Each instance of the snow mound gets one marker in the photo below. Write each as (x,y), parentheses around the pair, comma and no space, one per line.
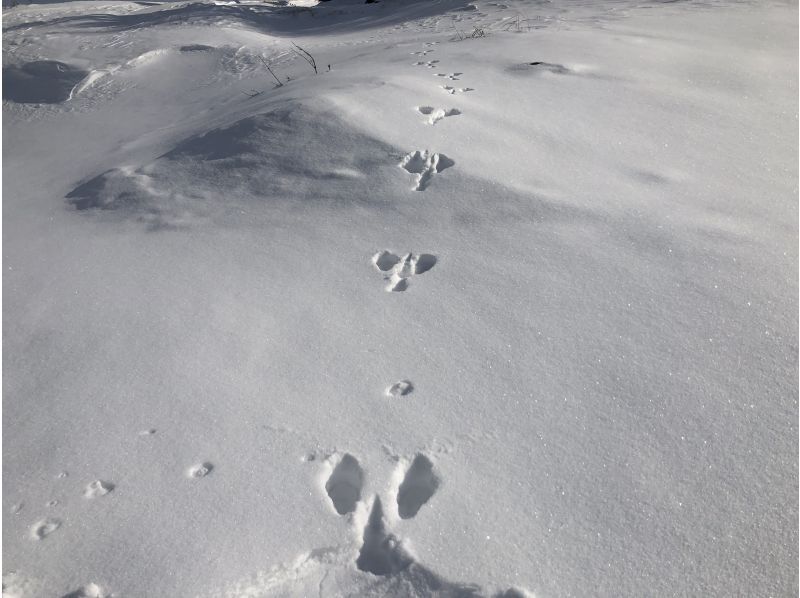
(294,153)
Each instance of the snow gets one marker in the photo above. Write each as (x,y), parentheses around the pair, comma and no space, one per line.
(510,315)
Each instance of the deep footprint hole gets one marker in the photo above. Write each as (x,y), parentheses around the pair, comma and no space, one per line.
(418,486)
(385,260)
(400,389)
(398,286)
(425,262)
(344,485)
(200,470)
(381,552)
(443,163)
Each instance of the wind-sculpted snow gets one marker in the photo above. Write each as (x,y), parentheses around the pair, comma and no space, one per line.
(540,67)
(291,154)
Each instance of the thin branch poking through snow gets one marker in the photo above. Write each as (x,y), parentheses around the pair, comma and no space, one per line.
(270,71)
(305,55)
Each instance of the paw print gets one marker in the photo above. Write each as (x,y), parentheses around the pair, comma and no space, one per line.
(381,553)
(436,114)
(424,165)
(373,560)
(451,76)
(344,485)
(397,271)
(454,90)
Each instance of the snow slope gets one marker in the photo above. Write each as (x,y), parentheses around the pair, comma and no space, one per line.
(505,315)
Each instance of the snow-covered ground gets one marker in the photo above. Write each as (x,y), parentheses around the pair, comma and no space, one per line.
(458,315)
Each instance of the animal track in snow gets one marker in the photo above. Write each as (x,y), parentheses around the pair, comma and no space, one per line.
(385,260)
(400,389)
(97,488)
(381,553)
(454,90)
(430,63)
(425,164)
(419,485)
(436,114)
(41,529)
(397,270)
(200,470)
(451,76)
(389,564)
(344,485)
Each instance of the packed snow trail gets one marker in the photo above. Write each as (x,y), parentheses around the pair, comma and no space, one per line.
(501,301)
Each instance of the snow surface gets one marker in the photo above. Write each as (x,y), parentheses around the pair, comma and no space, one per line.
(458,316)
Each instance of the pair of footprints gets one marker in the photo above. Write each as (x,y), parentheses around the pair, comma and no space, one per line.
(397,270)
(453,77)
(429,46)
(381,552)
(430,63)
(454,90)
